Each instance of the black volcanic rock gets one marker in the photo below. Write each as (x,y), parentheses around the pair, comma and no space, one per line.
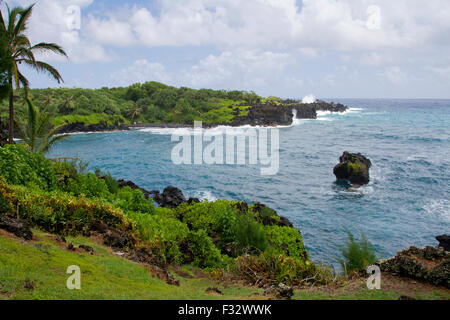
(444,241)
(18,227)
(171,197)
(353,167)
(266,115)
(429,264)
(305,111)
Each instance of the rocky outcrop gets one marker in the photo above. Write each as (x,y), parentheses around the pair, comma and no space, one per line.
(430,264)
(305,111)
(171,197)
(18,227)
(444,241)
(266,115)
(269,217)
(328,106)
(353,167)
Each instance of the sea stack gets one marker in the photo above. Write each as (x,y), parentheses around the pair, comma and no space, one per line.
(353,167)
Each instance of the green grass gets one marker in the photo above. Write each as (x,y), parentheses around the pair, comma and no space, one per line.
(44,262)
(104,276)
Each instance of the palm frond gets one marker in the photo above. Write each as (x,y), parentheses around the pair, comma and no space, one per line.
(52,47)
(46,147)
(21,25)
(46,68)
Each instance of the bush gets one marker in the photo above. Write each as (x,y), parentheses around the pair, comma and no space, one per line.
(88,185)
(269,269)
(134,200)
(21,167)
(204,253)
(357,255)
(162,234)
(218,216)
(249,235)
(57,212)
(287,241)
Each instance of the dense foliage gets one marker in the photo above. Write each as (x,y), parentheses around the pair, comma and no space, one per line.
(61,197)
(5,65)
(151,102)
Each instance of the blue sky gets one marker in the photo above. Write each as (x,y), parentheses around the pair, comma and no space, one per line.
(287,48)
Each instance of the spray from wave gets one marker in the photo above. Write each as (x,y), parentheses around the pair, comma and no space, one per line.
(309,99)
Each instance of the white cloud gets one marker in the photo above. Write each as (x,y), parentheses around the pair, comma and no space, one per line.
(140,71)
(239,69)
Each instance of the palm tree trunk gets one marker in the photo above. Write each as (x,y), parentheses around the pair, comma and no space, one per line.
(11,112)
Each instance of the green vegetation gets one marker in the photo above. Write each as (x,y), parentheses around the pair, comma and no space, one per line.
(357,255)
(59,197)
(21,51)
(43,264)
(37,133)
(150,102)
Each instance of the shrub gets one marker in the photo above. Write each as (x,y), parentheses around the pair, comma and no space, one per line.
(21,167)
(134,200)
(269,269)
(57,212)
(162,234)
(357,255)
(287,241)
(212,217)
(88,185)
(204,253)
(249,235)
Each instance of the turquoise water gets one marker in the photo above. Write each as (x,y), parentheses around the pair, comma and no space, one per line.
(406,203)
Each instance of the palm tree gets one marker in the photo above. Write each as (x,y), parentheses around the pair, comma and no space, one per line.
(37,132)
(134,111)
(21,51)
(67,105)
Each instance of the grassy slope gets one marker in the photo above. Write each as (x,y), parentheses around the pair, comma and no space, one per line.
(43,262)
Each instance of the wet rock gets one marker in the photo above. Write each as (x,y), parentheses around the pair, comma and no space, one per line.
(213,290)
(430,264)
(353,167)
(18,227)
(444,241)
(280,291)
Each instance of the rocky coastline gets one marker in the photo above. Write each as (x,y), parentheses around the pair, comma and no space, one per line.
(267,115)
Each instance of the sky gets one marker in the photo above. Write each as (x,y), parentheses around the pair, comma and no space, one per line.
(285,48)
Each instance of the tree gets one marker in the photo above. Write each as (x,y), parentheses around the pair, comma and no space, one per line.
(134,111)
(5,66)
(21,51)
(37,132)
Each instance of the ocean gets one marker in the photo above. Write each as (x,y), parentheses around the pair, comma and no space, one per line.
(406,203)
